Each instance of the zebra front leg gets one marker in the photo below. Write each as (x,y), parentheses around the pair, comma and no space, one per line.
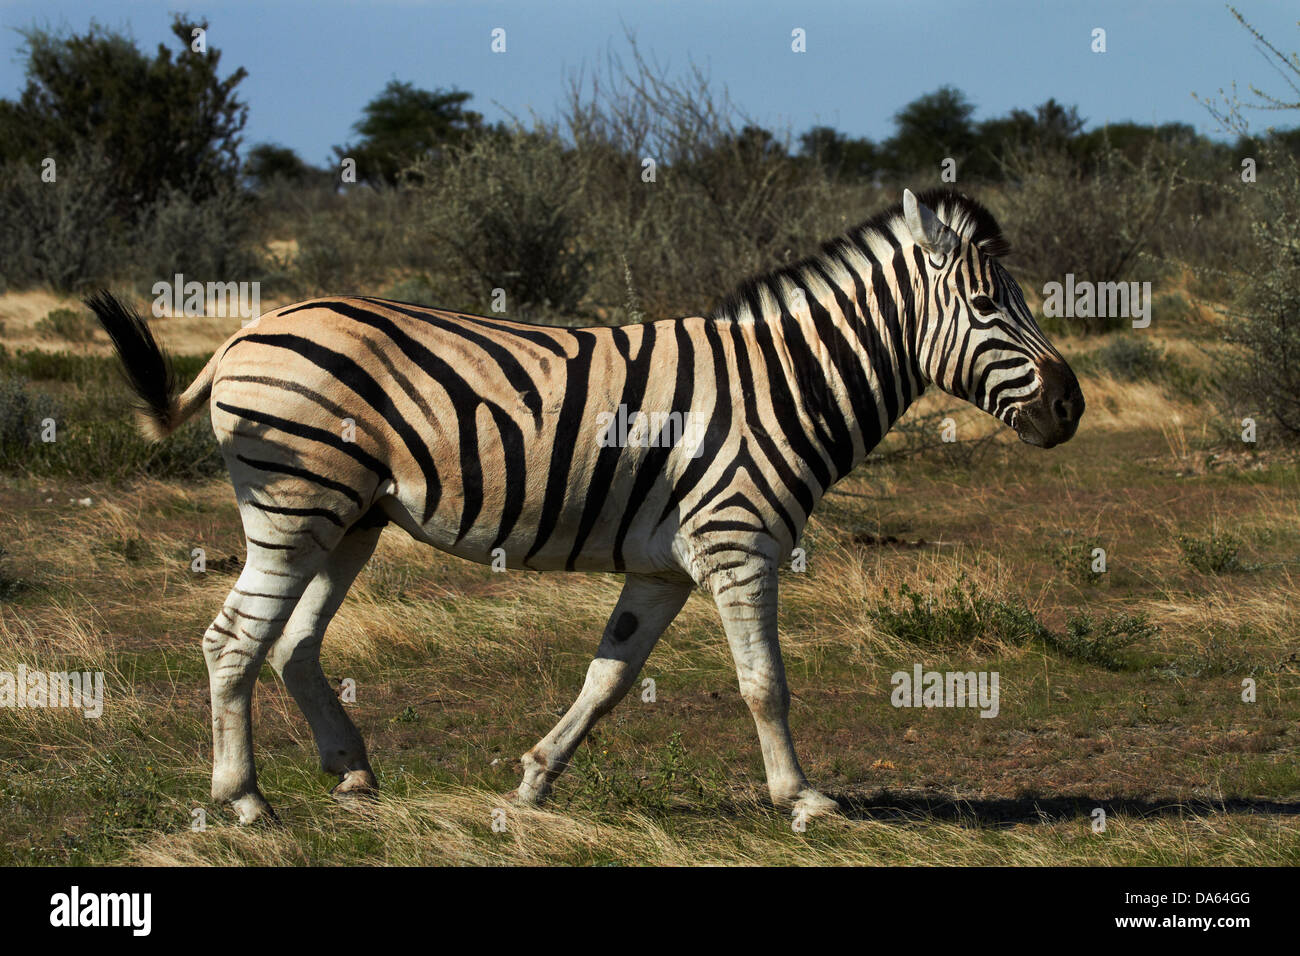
(296,658)
(746,595)
(645,608)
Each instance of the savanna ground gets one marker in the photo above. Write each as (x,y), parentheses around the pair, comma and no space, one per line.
(1121,691)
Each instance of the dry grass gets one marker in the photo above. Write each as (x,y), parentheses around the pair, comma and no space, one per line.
(460,669)
(454,827)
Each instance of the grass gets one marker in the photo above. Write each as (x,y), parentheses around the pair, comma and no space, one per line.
(1124,693)
(1120,689)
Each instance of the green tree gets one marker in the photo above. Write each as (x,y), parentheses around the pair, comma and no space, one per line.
(268,163)
(404,124)
(840,156)
(929,129)
(164,123)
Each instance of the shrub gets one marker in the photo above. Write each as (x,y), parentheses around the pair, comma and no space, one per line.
(208,240)
(1261,378)
(1075,560)
(356,242)
(508,210)
(1213,554)
(1092,217)
(1131,359)
(957,616)
(1262,375)
(59,233)
(21,414)
(68,325)
(1101,641)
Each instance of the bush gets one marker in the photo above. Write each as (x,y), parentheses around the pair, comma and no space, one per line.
(1075,560)
(1213,554)
(208,241)
(68,325)
(957,616)
(1131,359)
(508,210)
(1262,375)
(1101,641)
(59,233)
(1093,217)
(727,198)
(356,242)
(21,414)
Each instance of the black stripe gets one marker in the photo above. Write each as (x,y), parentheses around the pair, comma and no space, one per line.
(303,473)
(349,373)
(715,434)
(637,373)
(514,372)
(312,433)
(516,466)
(325,513)
(497,325)
(567,426)
(652,466)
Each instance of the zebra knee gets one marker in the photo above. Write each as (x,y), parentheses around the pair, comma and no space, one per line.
(295,654)
(765,699)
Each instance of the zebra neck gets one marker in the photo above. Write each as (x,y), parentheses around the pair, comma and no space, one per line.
(846,355)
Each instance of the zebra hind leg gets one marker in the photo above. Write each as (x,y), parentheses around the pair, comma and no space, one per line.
(284,556)
(645,608)
(296,658)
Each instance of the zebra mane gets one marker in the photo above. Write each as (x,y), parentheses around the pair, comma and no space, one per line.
(966,217)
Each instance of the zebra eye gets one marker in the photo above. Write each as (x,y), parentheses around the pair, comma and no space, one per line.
(984,305)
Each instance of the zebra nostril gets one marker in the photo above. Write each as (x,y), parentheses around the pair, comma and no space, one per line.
(1061,409)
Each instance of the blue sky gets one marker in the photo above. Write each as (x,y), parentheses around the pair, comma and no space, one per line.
(313,64)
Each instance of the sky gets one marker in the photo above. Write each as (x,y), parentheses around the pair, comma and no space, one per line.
(313,64)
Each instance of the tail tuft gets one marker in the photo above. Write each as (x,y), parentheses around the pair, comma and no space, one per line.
(148,370)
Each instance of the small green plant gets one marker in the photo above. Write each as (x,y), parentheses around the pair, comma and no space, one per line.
(1212,554)
(957,616)
(1131,359)
(67,325)
(1101,641)
(1217,658)
(407,716)
(610,782)
(1077,562)
(22,410)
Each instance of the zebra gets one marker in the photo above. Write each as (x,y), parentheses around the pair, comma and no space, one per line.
(478,435)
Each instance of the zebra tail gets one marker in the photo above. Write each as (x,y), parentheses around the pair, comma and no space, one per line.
(160,411)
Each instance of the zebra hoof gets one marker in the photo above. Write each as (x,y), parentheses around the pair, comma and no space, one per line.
(253,808)
(811,803)
(526,797)
(356,784)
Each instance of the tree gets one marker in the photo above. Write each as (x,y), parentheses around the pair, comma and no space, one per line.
(268,163)
(403,124)
(163,123)
(840,156)
(929,129)
(1051,127)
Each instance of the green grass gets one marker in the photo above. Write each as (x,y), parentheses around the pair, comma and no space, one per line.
(1126,696)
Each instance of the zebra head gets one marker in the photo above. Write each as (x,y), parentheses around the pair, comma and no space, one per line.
(980,341)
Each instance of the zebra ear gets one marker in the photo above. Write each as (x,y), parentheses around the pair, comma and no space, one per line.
(928,230)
